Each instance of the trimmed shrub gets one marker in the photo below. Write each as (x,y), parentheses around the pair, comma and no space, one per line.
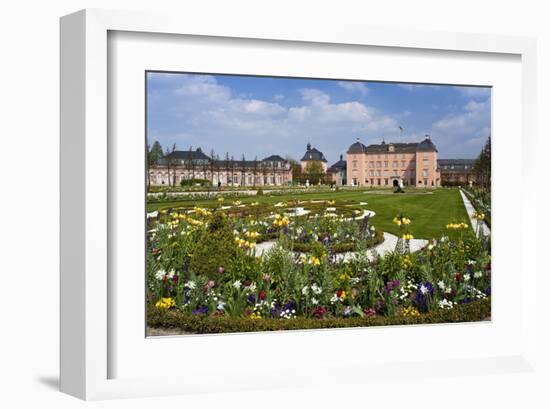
(209,324)
(215,247)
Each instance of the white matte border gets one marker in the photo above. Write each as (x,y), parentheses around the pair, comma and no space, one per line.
(95,359)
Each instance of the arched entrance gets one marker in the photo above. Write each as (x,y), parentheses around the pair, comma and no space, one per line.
(395,183)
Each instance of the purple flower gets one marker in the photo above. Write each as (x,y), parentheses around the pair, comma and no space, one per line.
(391,285)
(199,311)
(424,292)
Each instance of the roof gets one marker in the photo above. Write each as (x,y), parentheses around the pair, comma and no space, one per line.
(274,158)
(426,146)
(398,147)
(457,164)
(340,165)
(313,154)
(357,147)
(189,155)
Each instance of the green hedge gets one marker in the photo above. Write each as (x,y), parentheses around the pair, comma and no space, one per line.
(338,247)
(203,324)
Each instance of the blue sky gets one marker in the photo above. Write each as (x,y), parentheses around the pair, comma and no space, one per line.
(261,116)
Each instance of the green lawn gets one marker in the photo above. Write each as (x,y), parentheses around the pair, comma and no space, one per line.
(429,212)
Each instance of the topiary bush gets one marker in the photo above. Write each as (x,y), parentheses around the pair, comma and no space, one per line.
(215,248)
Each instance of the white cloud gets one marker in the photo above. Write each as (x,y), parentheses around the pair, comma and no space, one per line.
(465,130)
(354,86)
(475,92)
(210,115)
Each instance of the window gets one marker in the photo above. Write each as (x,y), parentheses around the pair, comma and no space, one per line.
(386,173)
(378,173)
(371,164)
(378,164)
(396,173)
(372,172)
(355,164)
(395,164)
(385,163)
(425,173)
(403,163)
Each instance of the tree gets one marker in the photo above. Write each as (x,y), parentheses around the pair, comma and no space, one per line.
(212,166)
(482,166)
(171,164)
(243,170)
(232,164)
(254,170)
(154,153)
(314,172)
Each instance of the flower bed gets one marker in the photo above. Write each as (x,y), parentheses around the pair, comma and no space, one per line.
(202,266)
(203,324)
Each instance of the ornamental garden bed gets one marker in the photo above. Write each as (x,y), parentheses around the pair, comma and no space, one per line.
(215,324)
(204,275)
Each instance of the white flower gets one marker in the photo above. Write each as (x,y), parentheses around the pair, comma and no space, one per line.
(305,290)
(470,262)
(159,275)
(445,304)
(220,306)
(314,301)
(316,289)
(430,246)
(441,284)
(423,289)
(237,284)
(467,277)
(190,284)
(448,290)
(478,274)
(252,287)
(171,274)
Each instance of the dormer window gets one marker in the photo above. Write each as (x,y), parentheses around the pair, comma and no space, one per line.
(391,148)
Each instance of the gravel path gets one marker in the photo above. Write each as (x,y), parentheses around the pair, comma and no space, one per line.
(388,245)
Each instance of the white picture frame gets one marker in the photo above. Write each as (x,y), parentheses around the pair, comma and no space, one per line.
(86,331)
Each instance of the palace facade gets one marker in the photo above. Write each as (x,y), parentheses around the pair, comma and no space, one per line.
(393,164)
(182,166)
(457,171)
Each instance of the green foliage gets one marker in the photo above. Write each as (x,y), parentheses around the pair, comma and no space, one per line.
(314,172)
(472,312)
(260,192)
(194,182)
(215,247)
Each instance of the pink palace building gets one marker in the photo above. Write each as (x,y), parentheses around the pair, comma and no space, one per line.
(393,164)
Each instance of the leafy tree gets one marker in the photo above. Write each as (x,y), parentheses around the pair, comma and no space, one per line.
(314,172)
(155,153)
(482,166)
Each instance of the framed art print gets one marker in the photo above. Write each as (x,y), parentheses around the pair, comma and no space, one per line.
(230,193)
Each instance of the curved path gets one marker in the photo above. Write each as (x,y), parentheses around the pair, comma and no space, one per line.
(387,246)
